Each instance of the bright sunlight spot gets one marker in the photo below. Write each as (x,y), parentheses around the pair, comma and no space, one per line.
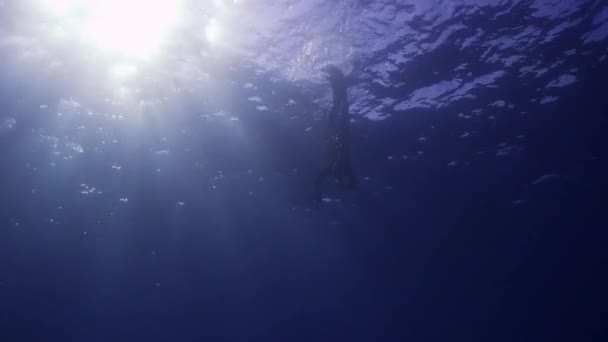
(212,31)
(123,70)
(131,28)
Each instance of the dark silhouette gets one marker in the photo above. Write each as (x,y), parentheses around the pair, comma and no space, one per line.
(338,143)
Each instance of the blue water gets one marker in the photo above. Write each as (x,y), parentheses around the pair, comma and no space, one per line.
(169,198)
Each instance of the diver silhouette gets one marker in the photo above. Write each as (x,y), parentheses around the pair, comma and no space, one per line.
(338,143)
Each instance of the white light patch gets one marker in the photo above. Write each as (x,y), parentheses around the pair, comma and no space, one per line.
(59,7)
(131,28)
(123,70)
(212,32)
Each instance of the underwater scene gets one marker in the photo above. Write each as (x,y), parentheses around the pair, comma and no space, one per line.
(303,170)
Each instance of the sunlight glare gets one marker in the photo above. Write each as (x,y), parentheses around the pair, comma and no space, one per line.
(123,70)
(212,31)
(59,7)
(132,28)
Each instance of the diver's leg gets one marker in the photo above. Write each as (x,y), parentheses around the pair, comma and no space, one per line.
(344,174)
(350,182)
(319,182)
(347,179)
